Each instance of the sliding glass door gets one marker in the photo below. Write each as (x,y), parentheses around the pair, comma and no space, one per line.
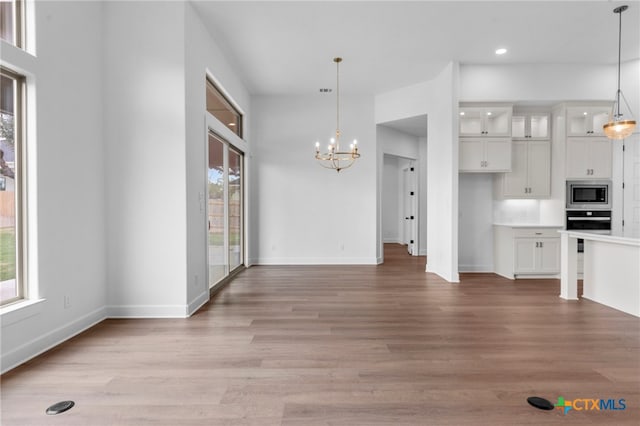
(225,207)
(235,209)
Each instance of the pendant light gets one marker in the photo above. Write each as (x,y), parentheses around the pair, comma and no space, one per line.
(619,127)
(334,158)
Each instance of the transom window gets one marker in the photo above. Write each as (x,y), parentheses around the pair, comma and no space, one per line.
(11,22)
(220,107)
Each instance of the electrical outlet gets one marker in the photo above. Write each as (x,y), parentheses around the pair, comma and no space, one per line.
(67,301)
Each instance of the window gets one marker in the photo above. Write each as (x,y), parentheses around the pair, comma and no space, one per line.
(11,22)
(220,107)
(11,186)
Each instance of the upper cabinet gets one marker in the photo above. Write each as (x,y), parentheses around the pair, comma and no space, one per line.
(530,126)
(488,155)
(588,158)
(485,121)
(530,175)
(587,121)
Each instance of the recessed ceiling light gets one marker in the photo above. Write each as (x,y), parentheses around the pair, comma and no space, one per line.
(462,113)
(501,51)
(232,124)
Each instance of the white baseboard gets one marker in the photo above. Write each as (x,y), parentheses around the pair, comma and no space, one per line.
(388,240)
(41,344)
(148,311)
(198,302)
(317,261)
(475,268)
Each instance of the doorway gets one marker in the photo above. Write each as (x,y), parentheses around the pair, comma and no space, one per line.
(399,202)
(225,205)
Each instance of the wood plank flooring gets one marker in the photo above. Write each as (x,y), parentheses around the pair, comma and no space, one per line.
(344,345)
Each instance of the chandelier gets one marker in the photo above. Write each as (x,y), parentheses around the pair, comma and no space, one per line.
(334,158)
(617,127)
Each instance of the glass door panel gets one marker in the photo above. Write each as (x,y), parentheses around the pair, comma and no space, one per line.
(235,209)
(225,207)
(218,268)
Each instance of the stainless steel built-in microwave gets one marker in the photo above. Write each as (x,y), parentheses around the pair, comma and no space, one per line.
(589,194)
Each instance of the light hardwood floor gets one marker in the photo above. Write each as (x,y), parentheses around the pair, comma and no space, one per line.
(344,345)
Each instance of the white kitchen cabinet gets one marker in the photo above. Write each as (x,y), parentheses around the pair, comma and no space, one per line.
(530,175)
(526,251)
(587,120)
(536,256)
(530,126)
(485,121)
(485,155)
(588,158)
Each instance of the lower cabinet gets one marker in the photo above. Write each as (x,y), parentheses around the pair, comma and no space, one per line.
(526,251)
(536,255)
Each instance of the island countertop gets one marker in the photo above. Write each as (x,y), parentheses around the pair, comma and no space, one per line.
(615,237)
(611,271)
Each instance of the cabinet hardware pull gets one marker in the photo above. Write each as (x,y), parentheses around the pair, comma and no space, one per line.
(538,233)
(541,245)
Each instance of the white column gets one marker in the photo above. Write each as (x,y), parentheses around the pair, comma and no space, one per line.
(568,267)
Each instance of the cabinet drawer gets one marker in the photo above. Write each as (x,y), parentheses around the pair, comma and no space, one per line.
(536,232)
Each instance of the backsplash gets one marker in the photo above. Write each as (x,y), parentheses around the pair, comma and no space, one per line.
(516,211)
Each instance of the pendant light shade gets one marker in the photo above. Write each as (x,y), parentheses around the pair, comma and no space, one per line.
(620,129)
(619,126)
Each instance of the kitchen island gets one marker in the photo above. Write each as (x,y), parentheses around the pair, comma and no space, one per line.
(611,269)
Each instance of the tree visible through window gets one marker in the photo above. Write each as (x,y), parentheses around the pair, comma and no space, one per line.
(10,186)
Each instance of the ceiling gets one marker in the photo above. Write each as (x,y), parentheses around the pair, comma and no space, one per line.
(288,47)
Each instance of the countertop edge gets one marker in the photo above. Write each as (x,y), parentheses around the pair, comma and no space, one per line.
(528,225)
(604,238)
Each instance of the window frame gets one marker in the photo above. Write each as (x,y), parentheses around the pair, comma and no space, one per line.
(20,184)
(238,130)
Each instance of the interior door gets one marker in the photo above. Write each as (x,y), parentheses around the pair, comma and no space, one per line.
(409,209)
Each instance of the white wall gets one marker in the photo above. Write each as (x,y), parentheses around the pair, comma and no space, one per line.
(391,231)
(475,222)
(307,214)
(66,188)
(145,158)
(630,86)
(536,82)
(422,202)
(397,143)
(438,99)
(202,56)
